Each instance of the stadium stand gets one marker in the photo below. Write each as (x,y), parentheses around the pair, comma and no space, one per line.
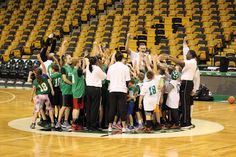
(162,24)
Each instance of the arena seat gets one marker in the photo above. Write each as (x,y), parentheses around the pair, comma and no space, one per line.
(26,24)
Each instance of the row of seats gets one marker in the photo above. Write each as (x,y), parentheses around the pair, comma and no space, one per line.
(206,24)
(17,69)
(162,24)
(26,24)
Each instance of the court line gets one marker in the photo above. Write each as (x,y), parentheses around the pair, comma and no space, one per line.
(200,129)
(207,111)
(6,101)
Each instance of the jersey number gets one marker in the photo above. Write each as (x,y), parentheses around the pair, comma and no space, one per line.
(57,82)
(73,79)
(43,87)
(152,90)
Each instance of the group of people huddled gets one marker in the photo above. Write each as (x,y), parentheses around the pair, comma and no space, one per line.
(106,91)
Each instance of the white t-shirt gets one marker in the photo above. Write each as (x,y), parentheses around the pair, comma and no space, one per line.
(118,74)
(173,96)
(135,57)
(95,77)
(151,94)
(196,80)
(189,69)
(47,63)
(185,50)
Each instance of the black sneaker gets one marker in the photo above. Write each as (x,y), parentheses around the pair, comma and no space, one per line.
(32,126)
(40,123)
(46,124)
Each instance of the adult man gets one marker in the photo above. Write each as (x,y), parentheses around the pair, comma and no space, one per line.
(189,69)
(137,58)
(118,74)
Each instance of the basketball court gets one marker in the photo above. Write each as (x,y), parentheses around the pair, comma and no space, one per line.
(214,134)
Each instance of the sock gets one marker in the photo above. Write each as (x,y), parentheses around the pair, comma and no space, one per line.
(140,122)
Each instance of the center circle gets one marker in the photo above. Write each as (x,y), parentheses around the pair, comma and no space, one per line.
(202,127)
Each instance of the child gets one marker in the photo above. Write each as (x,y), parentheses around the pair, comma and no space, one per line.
(66,89)
(78,90)
(137,110)
(131,102)
(56,100)
(173,99)
(149,96)
(41,87)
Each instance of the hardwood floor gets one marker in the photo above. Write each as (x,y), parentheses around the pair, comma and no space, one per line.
(15,143)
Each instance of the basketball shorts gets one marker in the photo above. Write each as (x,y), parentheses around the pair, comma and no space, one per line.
(78,103)
(131,107)
(56,100)
(67,101)
(40,100)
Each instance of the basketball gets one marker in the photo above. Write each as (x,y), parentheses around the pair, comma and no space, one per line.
(231,99)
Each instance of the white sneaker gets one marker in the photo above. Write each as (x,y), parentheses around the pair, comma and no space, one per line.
(51,35)
(124,130)
(110,129)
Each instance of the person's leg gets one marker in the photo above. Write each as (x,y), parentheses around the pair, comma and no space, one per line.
(138,114)
(183,103)
(62,111)
(88,106)
(123,108)
(50,109)
(76,110)
(185,99)
(149,116)
(112,108)
(106,108)
(95,107)
(175,116)
(189,101)
(36,111)
(53,47)
(68,104)
(100,115)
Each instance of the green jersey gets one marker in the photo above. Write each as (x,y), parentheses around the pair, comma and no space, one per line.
(66,89)
(49,70)
(56,78)
(43,88)
(133,90)
(78,84)
(105,83)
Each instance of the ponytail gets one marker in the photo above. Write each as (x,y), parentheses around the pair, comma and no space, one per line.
(92,61)
(38,76)
(91,68)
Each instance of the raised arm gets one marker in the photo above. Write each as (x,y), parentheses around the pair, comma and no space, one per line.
(185,47)
(42,63)
(156,61)
(97,48)
(148,64)
(113,59)
(55,59)
(176,60)
(127,43)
